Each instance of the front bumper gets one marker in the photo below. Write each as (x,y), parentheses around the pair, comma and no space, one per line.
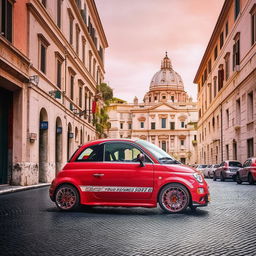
(204,200)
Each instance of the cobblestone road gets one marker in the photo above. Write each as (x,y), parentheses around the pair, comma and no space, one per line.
(30,224)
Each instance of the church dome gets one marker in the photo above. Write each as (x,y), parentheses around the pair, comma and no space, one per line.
(166,78)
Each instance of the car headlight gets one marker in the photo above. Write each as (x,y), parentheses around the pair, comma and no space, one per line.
(198,177)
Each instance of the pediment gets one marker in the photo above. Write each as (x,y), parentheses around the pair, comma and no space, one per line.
(162,107)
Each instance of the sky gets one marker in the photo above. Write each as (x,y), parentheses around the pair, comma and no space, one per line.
(139,32)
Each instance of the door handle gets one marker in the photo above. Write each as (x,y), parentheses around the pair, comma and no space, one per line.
(98,174)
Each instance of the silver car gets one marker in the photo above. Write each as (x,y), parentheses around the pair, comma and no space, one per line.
(212,170)
(227,170)
(200,168)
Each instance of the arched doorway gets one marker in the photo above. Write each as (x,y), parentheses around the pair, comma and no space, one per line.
(58,145)
(69,141)
(43,146)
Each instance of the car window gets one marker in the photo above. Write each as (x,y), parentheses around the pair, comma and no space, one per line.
(216,166)
(122,152)
(91,154)
(235,164)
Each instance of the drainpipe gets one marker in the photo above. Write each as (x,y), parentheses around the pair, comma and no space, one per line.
(221,132)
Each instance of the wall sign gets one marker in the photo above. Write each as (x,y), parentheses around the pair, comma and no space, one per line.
(44,125)
(59,130)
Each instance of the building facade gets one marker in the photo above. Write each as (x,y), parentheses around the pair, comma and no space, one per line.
(226,80)
(167,117)
(62,44)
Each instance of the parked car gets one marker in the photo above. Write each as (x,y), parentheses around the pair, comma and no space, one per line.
(206,170)
(227,170)
(200,168)
(247,172)
(127,173)
(212,170)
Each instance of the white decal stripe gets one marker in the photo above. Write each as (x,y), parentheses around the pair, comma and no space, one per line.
(115,189)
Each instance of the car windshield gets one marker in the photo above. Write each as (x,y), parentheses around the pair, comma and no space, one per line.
(216,166)
(158,153)
(235,164)
(202,166)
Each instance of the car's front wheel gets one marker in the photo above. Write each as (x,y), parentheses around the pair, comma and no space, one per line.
(214,177)
(238,179)
(67,197)
(174,198)
(250,179)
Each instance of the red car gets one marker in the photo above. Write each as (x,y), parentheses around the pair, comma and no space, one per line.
(127,173)
(247,172)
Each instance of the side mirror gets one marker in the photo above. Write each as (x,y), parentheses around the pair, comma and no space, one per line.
(141,159)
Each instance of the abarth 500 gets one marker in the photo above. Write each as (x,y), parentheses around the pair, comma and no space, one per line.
(129,173)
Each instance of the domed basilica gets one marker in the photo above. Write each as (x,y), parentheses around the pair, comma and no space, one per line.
(167,116)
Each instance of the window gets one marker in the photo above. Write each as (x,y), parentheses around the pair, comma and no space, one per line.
(226,28)
(80,96)
(72,87)
(153,126)
(164,145)
(182,142)
(236,51)
(6,25)
(182,124)
(214,86)
(238,111)
(83,50)
(250,150)
(172,125)
(121,152)
(43,58)
(237,8)
(221,39)
(172,98)
(194,137)
(90,61)
(227,151)
(129,126)
(85,105)
(220,77)
(163,122)
(121,126)
(209,66)
(227,117)
(91,154)
(253,24)
(234,150)
(210,92)
(77,39)
(59,3)
(59,65)
(215,52)
(250,106)
(141,124)
(155,98)
(227,66)
(164,97)
(44,3)
(71,22)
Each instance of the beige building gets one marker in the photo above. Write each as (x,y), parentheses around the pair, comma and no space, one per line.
(167,117)
(63,46)
(226,81)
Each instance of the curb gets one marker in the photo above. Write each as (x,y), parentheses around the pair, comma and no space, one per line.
(12,189)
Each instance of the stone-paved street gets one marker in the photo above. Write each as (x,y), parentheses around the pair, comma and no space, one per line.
(32,225)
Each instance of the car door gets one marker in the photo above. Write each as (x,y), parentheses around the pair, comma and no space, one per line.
(244,170)
(122,178)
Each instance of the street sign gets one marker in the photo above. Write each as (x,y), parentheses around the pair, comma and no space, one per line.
(44,125)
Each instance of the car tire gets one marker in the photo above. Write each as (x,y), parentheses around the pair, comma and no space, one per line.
(250,179)
(222,178)
(238,180)
(174,198)
(214,177)
(209,175)
(67,197)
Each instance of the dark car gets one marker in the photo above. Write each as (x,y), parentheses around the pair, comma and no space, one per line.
(227,170)
(247,172)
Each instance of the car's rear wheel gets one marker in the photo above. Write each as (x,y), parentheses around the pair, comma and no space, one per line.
(214,177)
(250,179)
(67,197)
(238,180)
(222,178)
(174,198)
(209,176)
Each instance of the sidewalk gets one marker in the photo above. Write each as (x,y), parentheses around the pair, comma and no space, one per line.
(4,189)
